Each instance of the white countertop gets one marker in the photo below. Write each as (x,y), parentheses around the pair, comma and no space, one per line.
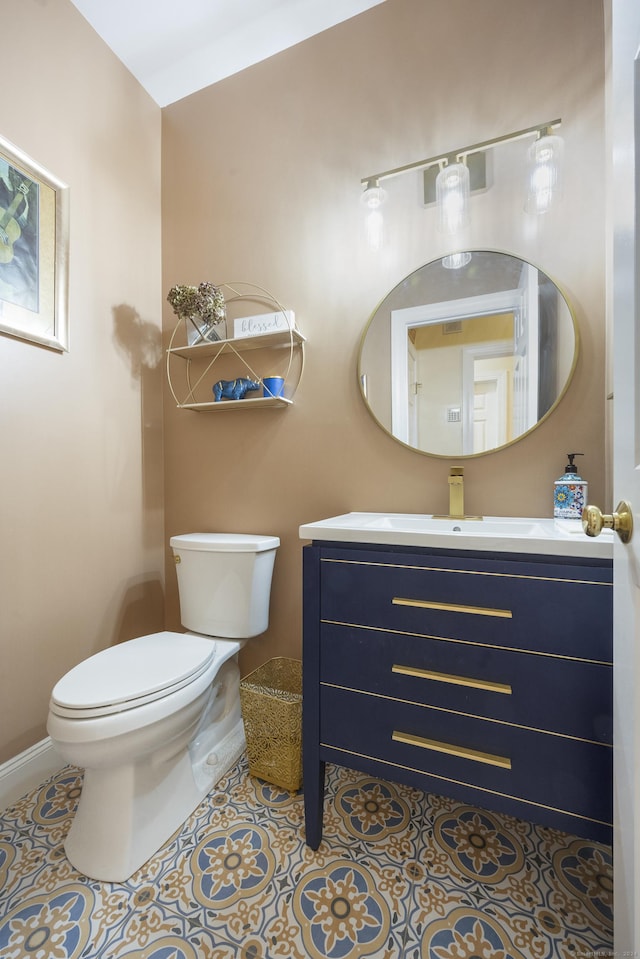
(493,533)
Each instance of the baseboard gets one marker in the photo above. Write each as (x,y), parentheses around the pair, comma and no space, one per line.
(24,772)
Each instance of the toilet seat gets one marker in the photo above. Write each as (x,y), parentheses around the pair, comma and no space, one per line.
(131,674)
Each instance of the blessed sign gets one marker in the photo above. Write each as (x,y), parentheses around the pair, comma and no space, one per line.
(263,323)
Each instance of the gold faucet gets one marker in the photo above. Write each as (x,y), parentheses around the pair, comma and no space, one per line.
(456,492)
(456,495)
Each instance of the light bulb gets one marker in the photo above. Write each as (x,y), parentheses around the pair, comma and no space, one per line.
(372,199)
(544,179)
(452,198)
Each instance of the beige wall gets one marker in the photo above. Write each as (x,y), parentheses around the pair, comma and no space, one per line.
(261,181)
(81,504)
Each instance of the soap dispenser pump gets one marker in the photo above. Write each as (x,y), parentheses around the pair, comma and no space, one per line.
(569,492)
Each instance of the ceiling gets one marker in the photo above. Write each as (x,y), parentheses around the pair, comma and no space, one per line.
(176,47)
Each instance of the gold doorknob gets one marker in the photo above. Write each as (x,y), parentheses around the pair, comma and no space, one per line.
(593,521)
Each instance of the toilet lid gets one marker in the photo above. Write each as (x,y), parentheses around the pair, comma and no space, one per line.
(132,673)
(224,542)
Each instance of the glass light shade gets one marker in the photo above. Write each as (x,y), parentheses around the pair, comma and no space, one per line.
(375,229)
(452,198)
(544,178)
(455,261)
(372,199)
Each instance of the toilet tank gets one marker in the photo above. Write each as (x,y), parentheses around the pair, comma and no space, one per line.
(224,582)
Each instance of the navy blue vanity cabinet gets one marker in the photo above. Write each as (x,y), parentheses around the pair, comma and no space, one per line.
(487,678)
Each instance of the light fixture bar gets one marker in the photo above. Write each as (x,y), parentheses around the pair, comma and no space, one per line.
(454,155)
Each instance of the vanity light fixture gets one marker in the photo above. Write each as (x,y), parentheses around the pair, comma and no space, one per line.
(453,192)
(372,198)
(545,169)
(450,178)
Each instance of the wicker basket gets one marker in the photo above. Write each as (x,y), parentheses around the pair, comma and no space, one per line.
(271,701)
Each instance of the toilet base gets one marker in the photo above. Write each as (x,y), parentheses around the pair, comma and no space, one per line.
(112,847)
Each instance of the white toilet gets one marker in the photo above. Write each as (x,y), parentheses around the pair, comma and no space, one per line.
(156,721)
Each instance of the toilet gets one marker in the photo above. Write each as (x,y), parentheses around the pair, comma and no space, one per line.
(155,721)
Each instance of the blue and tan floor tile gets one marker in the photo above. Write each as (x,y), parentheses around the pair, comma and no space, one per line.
(399,874)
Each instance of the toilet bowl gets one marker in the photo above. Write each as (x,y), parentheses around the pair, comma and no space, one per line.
(155,721)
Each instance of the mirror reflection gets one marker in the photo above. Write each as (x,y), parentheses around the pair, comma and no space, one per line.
(467,354)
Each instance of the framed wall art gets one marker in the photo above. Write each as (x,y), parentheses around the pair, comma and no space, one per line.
(34,251)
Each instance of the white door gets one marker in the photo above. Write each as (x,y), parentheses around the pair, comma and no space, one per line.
(624,104)
(485,416)
(489,410)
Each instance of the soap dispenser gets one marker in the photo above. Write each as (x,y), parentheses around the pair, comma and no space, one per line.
(569,492)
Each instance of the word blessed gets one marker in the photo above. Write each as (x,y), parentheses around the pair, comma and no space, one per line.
(263,323)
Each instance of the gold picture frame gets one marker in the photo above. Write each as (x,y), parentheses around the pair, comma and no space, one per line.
(34,251)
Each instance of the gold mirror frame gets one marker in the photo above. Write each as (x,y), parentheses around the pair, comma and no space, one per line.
(498,285)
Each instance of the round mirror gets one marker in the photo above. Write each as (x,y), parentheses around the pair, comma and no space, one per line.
(468,354)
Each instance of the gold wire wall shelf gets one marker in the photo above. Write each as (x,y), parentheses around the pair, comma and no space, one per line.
(277,352)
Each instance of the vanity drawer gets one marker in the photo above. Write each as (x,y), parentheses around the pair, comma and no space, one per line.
(511,687)
(455,752)
(545,607)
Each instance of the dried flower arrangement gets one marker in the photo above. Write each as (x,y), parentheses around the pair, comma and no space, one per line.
(204,302)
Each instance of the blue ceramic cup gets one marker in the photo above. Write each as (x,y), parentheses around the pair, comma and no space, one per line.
(273,385)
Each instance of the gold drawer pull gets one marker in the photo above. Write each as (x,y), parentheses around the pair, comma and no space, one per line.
(455,680)
(461,751)
(453,607)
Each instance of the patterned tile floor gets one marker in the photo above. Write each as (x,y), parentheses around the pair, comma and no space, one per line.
(400,874)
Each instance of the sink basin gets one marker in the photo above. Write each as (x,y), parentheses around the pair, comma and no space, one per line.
(495,533)
(495,525)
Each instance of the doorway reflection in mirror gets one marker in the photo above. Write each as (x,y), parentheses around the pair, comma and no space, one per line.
(494,339)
